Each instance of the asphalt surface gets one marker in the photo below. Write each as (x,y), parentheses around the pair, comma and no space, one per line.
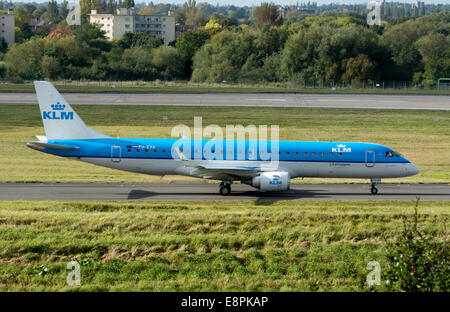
(197,191)
(428,102)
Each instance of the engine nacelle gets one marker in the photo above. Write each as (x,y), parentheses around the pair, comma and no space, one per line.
(272,181)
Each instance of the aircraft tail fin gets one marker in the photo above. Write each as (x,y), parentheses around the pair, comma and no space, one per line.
(61,122)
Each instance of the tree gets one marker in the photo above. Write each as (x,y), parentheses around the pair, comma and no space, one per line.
(189,42)
(21,17)
(64,9)
(50,67)
(227,56)
(168,63)
(88,32)
(139,39)
(112,6)
(435,50)
(59,31)
(52,11)
(147,11)
(357,69)
(128,4)
(25,59)
(267,13)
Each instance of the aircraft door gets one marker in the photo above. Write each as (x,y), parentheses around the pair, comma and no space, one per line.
(370,158)
(115,153)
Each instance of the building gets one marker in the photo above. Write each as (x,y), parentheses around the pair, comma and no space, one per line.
(418,4)
(115,25)
(7,27)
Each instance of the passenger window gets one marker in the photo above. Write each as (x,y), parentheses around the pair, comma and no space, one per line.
(164,150)
(331,153)
(146,150)
(287,153)
(322,154)
(129,150)
(296,153)
(138,150)
(339,154)
(313,153)
(305,153)
(155,150)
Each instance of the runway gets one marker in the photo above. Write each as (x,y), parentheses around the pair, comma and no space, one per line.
(427,102)
(199,191)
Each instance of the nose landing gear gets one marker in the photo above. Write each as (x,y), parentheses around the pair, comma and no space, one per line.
(373,188)
(225,188)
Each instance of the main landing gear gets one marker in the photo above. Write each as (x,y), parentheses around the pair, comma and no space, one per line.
(373,188)
(225,188)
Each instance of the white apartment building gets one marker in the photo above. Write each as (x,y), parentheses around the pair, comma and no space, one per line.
(7,27)
(115,25)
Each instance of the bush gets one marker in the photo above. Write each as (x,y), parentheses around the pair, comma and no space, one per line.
(415,262)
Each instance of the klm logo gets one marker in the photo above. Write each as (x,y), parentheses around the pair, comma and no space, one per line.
(276,181)
(58,113)
(340,148)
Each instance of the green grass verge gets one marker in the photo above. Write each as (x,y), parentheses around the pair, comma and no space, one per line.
(199,246)
(216,88)
(416,134)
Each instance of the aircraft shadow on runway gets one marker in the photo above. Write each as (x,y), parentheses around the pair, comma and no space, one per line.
(275,196)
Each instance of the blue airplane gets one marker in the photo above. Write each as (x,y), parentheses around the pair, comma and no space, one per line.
(238,161)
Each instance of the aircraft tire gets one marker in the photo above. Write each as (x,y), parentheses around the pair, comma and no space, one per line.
(225,190)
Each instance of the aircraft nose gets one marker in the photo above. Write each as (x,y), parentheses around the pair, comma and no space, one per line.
(412,169)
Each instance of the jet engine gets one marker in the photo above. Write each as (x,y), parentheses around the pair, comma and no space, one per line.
(271,181)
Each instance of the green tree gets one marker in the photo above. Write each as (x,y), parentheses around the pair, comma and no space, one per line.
(226,57)
(139,39)
(88,32)
(189,42)
(25,59)
(168,62)
(21,17)
(267,14)
(52,11)
(128,4)
(50,67)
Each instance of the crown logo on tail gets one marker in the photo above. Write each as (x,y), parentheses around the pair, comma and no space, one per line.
(58,106)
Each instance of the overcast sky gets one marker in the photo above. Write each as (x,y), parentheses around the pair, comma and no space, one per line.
(257,2)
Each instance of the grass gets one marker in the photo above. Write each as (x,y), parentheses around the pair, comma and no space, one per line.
(200,246)
(167,87)
(419,135)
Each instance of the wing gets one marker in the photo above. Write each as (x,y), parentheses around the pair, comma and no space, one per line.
(222,169)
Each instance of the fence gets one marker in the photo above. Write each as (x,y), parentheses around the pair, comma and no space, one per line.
(305,84)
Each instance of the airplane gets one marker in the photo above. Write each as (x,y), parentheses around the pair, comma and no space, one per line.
(68,136)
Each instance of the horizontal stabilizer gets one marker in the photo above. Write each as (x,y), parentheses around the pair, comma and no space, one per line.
(42,138)
(40,146)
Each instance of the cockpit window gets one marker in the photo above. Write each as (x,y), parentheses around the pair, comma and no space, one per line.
(392,154)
